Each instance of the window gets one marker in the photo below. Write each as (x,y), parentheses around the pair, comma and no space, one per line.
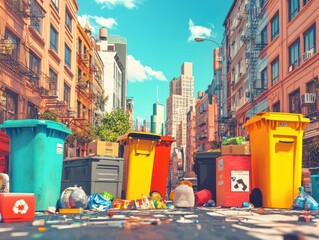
(305,2)
(263,37)
(294,53)
(67,94)
(262,3)
(35,63)
(311,88)
(294,8)
(15,45)
(294,102)
(276,107)
(264,80)
(55,4)
(10,110)
(275,71)
(32,112)
(68,20)
(36,16)
(275,26)
(310,39)
(80,46)
(53,80)
(67,56)
(53,39)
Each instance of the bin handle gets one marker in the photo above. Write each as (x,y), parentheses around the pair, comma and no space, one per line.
(281,141)
(145,152)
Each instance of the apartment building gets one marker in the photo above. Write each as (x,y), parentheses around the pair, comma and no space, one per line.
(190,142)
(279,61)
(37,38)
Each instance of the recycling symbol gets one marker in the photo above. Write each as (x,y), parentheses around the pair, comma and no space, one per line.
(20,207)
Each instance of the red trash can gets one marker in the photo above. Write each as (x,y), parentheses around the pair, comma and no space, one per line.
(161,165)
(4,152)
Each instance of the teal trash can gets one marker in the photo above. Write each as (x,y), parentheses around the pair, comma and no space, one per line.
(315,186)
(36,158)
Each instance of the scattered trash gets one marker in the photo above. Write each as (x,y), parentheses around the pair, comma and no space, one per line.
(304,201)
(98,203)
(202,197)
(73,197)
(38,223)
(71,210)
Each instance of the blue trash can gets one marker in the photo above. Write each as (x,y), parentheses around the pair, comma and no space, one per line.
(36,158)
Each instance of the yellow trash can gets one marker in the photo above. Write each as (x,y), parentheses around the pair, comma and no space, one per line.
(276,155)
(139,151)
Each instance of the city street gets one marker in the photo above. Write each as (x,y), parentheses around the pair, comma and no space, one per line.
(179,223)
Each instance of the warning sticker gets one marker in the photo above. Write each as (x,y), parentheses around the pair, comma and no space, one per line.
(239,181)
(59,148)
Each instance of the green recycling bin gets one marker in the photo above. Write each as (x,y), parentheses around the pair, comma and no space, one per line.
(36,158)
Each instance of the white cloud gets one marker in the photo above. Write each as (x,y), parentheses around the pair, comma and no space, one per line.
(136,72)
(96,22)
(112,3)
(198,31)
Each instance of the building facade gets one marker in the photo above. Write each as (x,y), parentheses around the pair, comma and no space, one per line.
(115,76)
(276,48)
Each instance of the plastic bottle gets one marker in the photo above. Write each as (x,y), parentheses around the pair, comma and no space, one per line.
(184,196)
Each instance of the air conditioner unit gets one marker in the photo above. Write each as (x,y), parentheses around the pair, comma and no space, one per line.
(233,27)
(291,67)
(308,98)
(219,59)
(308,54)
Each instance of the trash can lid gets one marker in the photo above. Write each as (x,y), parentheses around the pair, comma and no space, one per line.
(277,116)
(206,155)
(168,139)
(139,135)
(22,123)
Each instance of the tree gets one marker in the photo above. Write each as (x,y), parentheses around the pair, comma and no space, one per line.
(113,125)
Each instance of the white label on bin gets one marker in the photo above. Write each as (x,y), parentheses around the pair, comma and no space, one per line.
(239,181)
(59,148)
(283,124)
(220,165)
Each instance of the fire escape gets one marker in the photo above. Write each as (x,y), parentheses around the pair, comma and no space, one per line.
(253,47)
(10,49)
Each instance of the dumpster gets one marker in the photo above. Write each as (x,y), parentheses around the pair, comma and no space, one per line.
(36,157)
(95,174)
(205,169)
(139,151)
(276,155)
(161,165)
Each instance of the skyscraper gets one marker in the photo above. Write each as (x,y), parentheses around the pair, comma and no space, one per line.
(157,119)
(181,98)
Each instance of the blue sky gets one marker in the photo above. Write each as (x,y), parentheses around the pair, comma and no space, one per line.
(160,37)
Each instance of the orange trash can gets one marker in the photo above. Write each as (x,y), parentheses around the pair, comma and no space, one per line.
(161,165)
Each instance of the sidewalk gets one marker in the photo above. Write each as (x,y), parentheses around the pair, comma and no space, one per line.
(179,223)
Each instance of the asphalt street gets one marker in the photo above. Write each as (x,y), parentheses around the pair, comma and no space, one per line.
(179,223)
